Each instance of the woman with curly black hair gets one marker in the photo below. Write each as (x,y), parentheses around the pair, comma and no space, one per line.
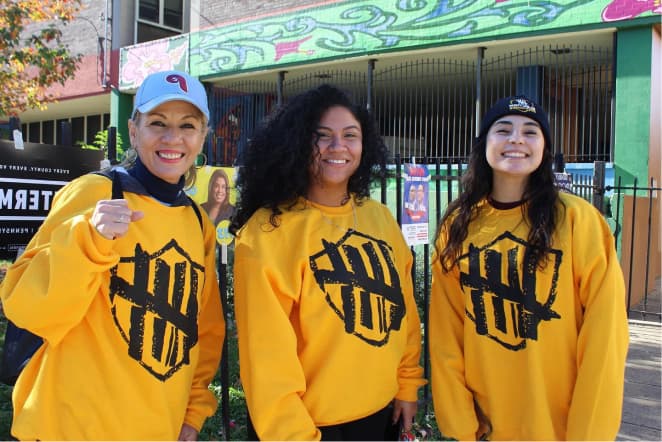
(528,330)
(329,334)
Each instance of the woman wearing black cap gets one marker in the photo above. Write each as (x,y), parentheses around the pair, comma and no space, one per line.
(528,330)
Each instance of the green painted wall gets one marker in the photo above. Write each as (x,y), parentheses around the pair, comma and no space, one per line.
(121,106)
(632,115)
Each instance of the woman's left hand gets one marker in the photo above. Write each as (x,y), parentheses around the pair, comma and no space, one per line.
(406,411)
(188,433)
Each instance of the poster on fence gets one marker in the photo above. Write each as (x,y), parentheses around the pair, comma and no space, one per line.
(563,181)
(214,191)
(29,179)
(415,204)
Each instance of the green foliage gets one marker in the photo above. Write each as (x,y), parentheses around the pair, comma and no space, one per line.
(30,64)
(5,391)
(101,143)
(5,407)
(213,428)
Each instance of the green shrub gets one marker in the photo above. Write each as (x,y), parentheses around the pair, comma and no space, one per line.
(101,143)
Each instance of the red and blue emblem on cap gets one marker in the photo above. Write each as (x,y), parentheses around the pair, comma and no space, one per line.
(178,79)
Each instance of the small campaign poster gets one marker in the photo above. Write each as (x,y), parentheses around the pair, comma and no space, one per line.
(563,181)
(415,214)
(214,191)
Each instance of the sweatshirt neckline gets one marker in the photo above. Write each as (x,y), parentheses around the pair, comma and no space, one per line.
(334,210)
(499,205)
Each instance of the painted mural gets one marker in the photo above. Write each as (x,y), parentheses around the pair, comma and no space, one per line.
(154,56)
(628,9)
(344,29)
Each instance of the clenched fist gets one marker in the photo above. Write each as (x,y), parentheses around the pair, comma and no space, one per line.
(111,218)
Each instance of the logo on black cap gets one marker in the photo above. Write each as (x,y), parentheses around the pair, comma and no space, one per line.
(521,105)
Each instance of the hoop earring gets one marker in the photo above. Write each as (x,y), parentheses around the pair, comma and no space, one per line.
(129,156)
(201,160)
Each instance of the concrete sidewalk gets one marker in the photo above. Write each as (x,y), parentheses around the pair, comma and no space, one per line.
(642,402)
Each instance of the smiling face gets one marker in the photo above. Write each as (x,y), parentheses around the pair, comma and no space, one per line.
(420,193)
(412,193)
(337,156)
(514,149)
(218,190)
(168,138)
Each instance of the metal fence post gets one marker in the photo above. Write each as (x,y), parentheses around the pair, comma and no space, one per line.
(598,185)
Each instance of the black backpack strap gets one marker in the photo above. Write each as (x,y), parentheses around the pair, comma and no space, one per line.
(117,194)
(197,211)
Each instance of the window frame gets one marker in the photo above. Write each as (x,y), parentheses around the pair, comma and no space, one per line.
(161,24)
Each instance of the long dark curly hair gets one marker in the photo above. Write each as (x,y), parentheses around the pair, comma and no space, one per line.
(540,212)
(274,169)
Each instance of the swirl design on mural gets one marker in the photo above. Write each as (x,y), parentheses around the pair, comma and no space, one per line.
(361,27)
(340,30)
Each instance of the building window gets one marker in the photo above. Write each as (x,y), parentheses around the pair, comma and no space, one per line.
(93,127)
(78,130)
(63,132)
(33,135)
(149,10)
(159,19)
(48,132)
(172,13)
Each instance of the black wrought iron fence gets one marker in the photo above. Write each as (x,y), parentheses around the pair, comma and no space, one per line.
(637,235)
(633,212)
(427,108)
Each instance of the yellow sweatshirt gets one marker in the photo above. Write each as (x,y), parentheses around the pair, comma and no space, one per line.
(541,352)
(133,328)
(328,326)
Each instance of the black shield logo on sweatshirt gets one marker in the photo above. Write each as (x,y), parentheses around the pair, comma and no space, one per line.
(155,306)
(506,302)
(361,284)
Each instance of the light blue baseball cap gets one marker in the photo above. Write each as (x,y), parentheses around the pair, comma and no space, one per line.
(161,87)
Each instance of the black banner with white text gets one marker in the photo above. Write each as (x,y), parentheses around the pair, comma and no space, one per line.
(29,179)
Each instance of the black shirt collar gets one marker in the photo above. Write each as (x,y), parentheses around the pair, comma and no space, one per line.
(504,206)
(172,194)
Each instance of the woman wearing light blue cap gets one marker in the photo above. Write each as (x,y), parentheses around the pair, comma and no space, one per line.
(120,283)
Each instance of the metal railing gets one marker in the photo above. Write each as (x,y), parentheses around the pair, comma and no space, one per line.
(428,108)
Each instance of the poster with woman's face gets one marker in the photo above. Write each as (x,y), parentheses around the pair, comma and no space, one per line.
(415,203)
(214,191)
